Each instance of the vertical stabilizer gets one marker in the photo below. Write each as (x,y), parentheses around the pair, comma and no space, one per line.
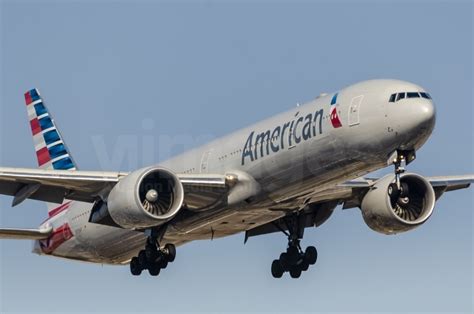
(51,150)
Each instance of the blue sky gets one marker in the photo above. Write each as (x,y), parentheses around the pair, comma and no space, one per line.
(132,83)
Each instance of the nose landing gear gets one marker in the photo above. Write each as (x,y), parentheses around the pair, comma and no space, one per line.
(294,260)
(402,158)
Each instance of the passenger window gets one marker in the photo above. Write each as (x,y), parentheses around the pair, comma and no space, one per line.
(392,98)
(400,96)
(425,95)
(413,95)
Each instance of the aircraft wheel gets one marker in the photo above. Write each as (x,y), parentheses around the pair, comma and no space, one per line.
(284,261)
(393,191)
(163,263)
(154,269)
(293,255)
(311,255)
(142,259)
(151,253)
(135,267)
(295,272)
(170,250)
(277,269)
(304,265)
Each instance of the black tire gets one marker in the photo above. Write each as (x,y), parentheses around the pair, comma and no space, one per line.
(163,263)
(304,265)
(154,269)
(284,261)
(404,190)
(293,255)
(170,250)
(151,253)
(392,188)
(311,255)
(295,272)
(142,259)
(135,268)
(277,269)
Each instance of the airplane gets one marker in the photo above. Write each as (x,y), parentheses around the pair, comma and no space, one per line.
(283,174)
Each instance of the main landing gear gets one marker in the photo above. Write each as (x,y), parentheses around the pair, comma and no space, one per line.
(152,258)
(294,260)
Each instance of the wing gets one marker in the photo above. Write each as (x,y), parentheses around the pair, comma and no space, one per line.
(201,190)
(450,183)
(350,194)
(440,184)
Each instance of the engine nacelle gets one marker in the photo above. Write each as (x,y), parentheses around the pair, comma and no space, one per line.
(145,198)
(390,213)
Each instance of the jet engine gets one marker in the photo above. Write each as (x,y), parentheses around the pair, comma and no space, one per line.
(388,209)
(145,198)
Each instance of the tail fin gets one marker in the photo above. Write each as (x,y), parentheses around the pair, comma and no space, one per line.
(51,150)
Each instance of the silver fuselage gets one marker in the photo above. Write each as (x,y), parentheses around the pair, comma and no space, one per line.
(294,156)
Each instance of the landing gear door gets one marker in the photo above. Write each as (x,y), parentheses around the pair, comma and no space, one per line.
(354,110)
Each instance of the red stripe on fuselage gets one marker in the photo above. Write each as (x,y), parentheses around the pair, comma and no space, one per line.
(59,209)
(58,237)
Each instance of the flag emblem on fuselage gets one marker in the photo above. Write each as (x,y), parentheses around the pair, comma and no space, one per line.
(336,122)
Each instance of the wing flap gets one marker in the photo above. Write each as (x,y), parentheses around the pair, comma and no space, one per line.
(26,234)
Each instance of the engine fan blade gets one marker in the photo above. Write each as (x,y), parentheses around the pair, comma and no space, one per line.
(407,209)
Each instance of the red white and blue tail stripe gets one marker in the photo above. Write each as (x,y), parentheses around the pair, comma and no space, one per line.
(51,151)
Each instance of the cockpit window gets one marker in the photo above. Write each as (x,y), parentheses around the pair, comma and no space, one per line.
(425,95)
(400,96)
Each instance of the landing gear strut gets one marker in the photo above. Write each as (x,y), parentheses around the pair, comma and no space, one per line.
(402,158)
(294,260)
(153,257)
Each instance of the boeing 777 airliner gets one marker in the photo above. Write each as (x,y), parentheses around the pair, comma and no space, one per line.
(284,174)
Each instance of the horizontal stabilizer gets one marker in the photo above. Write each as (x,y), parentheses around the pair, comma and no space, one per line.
(26,234)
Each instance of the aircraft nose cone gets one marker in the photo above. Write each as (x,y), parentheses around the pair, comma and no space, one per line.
(426,115)
(417,123)
(412,122)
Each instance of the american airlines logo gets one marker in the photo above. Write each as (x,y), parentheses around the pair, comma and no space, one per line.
(335,121)
(286,135)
